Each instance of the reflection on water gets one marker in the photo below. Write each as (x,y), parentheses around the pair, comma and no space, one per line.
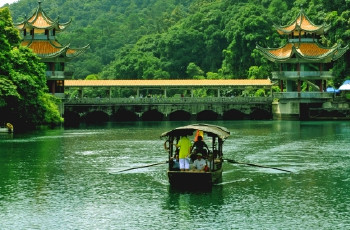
(67,179)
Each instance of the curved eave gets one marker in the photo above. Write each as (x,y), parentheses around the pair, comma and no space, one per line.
(266,52)
(331,54)
(65,52)
(324,55)
(60,50)
(63,26)
(20,26)
(318,31)
(302,23)
(52,49)
(72,53)
(46,22)
(53,55)
(340,52)
(58,26)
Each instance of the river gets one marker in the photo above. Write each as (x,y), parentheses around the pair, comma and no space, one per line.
(68,179)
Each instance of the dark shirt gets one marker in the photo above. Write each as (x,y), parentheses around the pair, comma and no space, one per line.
(199,145)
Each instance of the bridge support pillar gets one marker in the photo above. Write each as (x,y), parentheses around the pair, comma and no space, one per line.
(166,117)
(286,111)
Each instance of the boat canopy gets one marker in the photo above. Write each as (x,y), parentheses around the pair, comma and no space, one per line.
(210,130)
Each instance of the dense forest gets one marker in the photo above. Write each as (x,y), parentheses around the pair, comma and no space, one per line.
(155,39)
(179,39)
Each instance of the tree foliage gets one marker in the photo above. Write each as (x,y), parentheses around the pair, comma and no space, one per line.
(159,39)
(24,100)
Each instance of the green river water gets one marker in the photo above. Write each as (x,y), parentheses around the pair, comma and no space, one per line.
(67,179)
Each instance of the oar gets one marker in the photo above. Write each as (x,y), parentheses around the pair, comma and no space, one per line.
(144,166)
(255,165)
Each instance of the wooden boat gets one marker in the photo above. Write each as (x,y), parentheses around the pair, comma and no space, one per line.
(8,128)
(197,179)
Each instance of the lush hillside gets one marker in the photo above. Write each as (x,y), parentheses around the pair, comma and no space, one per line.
(107,25)
(146,39)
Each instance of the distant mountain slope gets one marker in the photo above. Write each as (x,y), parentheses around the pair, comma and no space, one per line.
(106,25)
(145,39)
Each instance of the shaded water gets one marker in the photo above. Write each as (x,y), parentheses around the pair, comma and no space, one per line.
(67,179)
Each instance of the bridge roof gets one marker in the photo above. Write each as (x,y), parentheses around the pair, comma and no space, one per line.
(167,83)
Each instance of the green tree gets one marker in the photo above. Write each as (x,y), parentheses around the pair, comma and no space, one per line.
(194,70)
(24,98)
(257,72)
(340,34)
(246,26)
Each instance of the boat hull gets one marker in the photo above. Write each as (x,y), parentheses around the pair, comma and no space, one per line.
(194,179)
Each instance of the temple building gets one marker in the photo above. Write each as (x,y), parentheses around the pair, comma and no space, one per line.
(302,61)
(39,34)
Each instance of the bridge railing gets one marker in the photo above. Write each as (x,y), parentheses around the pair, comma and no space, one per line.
(170,100)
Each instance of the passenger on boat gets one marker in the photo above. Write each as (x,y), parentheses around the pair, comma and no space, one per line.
(199,164)
(199,147)
(185,149)
(175,163)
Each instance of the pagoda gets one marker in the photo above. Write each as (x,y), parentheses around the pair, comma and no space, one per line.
(302,58)
(39,34)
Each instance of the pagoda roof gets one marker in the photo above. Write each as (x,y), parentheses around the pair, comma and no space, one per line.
(311,52)
(40,20)
(302,23)
(52,49)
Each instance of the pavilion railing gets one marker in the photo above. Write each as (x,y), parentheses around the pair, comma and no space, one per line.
(55,74)
(308,75)
(303,95)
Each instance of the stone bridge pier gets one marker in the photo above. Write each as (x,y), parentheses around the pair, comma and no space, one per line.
(159,109)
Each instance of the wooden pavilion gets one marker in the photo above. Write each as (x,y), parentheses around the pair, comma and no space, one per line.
(302,58)
(39,34)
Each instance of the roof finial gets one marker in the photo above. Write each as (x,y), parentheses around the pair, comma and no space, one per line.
(39,1)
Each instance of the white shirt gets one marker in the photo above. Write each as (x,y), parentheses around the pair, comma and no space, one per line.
(199,164)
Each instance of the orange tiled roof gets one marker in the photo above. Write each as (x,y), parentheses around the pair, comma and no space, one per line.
(42,47)
(306,51)
(48,48)
(170,83)
(312,50)
(283,52)
(25,43)
(302,22)
(41,21)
